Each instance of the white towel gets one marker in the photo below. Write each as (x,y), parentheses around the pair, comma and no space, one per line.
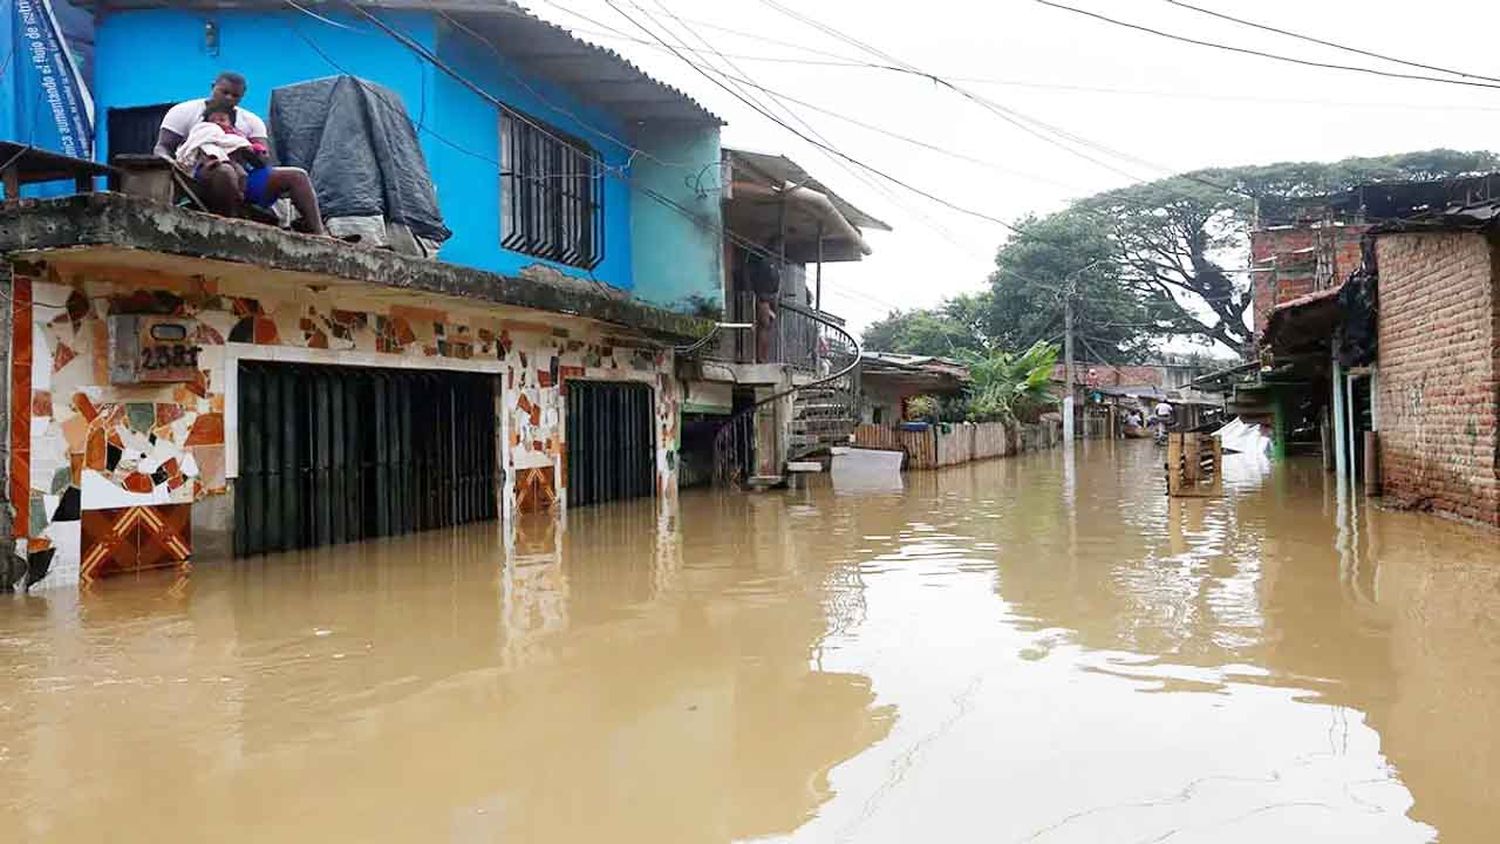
(207,142)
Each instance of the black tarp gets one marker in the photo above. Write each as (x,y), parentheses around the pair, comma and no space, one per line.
(355,139)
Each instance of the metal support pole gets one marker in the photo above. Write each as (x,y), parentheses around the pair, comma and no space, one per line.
(1340,423)
(1068,369)
(818,294)
(1351,424)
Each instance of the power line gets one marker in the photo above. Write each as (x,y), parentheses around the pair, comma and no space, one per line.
(808,139)
(1261,54)
(822,144)
(1335,45)
(781,101)
(1020,121)
(618,35)
(777,100)
(959,156)
(867,180)
(1227,98)
(1009,115)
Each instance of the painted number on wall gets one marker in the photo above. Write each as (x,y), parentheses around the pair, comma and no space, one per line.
(169,356)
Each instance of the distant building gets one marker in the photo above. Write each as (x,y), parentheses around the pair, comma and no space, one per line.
(888,381)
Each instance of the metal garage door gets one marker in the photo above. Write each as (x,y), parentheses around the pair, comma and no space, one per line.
(338,454)
(611,442)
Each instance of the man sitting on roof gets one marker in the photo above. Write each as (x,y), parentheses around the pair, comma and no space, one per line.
(221,190)
(245,179)
(215,144)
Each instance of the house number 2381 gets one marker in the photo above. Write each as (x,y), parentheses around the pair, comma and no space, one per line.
(174,356)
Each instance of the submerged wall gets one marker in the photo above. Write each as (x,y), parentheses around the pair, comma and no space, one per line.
(962,442)
(86,454)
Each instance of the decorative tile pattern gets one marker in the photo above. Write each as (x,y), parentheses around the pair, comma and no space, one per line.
(82,446)
(535,490)
(20,402)
(135,539)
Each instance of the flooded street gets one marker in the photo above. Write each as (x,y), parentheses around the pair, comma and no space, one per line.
(1009,651)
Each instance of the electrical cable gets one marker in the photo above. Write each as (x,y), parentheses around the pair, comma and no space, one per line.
(959,156)
(865,179)
(826,147)
(1334,44)
(808,139)
(607,31)
(1262,54)
(1009,115)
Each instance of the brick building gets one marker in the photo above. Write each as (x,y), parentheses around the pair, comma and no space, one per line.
(1293,261)
(1404,346)
(1437,396)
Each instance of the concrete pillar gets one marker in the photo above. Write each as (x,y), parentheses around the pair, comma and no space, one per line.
(1340,424)
(1278,425)
(213,527)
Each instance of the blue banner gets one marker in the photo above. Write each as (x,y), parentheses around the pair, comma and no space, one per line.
(52,108)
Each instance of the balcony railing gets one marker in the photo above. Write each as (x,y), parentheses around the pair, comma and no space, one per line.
(800,336)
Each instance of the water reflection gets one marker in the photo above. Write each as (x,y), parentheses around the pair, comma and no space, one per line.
(1043,648)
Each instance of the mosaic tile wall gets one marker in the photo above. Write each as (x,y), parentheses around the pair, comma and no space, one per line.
(141,455)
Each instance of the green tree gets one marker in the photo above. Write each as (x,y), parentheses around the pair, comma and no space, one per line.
(950,330)
(1144,262)
(1011,387)
(1069,253)
(1302,179)
(1170,241)
(1179,241)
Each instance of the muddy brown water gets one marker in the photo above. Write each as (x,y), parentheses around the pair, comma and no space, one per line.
(1023,650)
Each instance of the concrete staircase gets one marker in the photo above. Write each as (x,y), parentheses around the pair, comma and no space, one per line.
(823,417)
(792,430)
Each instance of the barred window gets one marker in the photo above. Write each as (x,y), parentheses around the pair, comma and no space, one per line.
(551,194)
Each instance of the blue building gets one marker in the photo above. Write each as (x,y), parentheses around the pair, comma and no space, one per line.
(470,74)
(184,385)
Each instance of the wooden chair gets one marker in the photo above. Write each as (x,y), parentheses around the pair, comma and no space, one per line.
(155,178)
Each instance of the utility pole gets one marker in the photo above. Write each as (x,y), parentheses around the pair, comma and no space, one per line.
(1067,367)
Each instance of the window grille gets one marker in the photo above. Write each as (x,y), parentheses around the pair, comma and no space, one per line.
(551,194)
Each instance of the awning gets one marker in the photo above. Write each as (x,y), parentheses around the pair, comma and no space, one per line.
(770,194)
(1304,324)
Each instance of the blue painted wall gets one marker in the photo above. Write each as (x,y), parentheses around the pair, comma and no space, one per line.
(679,254)
(465,161)
(664,256)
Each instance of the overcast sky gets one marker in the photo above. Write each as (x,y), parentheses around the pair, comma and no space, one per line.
(1168,106)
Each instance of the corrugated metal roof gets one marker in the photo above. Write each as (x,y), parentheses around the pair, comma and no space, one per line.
(876,362)
(594,74)
(779,168)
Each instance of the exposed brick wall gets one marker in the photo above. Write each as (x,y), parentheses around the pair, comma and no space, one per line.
(1438,388)
(1106,375)
(1305,259)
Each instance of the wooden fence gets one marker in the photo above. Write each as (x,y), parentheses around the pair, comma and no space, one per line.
(949,445)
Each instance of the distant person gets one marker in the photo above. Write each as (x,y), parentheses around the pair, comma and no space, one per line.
(764,277)
(1163,414)
(215,150)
